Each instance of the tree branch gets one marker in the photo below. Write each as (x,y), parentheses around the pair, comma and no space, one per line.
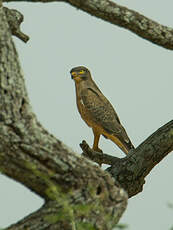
(138,164)
(98,157)
(123,17)
(130,171)
(58,215)
(33,157)
(15,18)
(67,182)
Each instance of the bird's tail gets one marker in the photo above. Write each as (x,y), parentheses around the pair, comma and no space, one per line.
(124,145)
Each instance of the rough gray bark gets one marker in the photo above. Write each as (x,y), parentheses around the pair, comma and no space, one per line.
(123,17)
(78,194)
(33,157)
(130,171)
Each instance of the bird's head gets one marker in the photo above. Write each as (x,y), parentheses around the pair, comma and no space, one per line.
(80,73)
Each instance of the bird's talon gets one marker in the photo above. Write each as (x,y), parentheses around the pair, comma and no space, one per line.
(98,150)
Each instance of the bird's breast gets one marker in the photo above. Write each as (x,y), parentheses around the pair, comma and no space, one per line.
(84,112)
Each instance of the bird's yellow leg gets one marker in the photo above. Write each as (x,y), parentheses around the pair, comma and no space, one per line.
(96,141)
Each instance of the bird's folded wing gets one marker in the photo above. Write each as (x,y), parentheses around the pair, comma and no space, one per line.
(101,111)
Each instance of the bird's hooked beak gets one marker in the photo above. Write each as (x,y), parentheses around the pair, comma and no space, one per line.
(73,75)
(76,77)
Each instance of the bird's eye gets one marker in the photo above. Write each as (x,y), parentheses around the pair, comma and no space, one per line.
(82,72)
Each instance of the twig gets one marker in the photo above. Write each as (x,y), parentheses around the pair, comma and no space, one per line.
(15,18)
(98,157)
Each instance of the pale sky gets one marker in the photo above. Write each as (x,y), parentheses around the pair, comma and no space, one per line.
(134,74)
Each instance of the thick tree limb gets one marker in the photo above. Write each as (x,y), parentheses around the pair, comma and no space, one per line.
(130,171)
(138,164)
(77,193)
(123,17)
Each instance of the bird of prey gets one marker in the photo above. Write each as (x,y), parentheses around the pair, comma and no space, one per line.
(97,111)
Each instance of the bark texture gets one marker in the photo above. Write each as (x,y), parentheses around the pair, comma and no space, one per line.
(130,172)
(77,193)
(123,17)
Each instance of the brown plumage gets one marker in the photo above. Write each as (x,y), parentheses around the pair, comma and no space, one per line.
(97,111)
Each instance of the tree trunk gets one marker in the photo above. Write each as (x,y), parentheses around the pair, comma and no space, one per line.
(78,194)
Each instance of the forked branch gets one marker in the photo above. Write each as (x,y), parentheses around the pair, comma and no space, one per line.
(131,170)
(121,16)
(77,193)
